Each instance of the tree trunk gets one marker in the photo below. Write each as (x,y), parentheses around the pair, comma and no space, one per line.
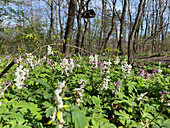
(132,33)
(78,38)
(69,28)
(122,20)
(61,26)
(51,21)
(102,24)
(111,30)
(85,30)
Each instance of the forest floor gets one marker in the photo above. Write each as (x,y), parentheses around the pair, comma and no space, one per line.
(165,58)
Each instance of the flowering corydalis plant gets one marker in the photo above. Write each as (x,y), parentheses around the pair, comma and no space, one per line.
(19,59)
(7,57)
(31,60)
(163,94)
(7,83)
(159,70)
(143,73)
(99,64)
(58,92)
(68,66)
(49,50)
(117,87)
(106,66)
(154,71)
(105,72)
(1,94)
(141,96)
(105,83)
(79,92)
(93,59)
(126,68)
(117,60)
(20,76)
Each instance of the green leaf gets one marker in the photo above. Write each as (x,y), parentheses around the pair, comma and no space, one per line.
(46,104)
(50,111)
(19,118)
(43,83)
(108,125)
(166,123)
(78,117)
(47,95)
(96,101)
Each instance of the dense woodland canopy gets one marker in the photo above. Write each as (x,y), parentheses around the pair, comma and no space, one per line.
(132,26)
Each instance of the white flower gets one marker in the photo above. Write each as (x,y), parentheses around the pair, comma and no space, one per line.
(57,92)
(79,101)
(68,67)
(77,89)
(1,92)
(64,62)
(44,58)
(105,83)
(78,65)
(20,76)
(49,52)
(1,103)
(79,92)
(61,85)
(59,102)
(159,71)
(94,60)
(141,96)
(91,58)
(83,83)
(61,122)
(29,55)
(55,63)
(126,68)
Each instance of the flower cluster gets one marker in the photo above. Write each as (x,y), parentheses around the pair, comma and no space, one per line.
(59,104)
(163,95)
(7,83)
(105,83)
(19,59)
(79,92)
(141,96)
(154,71)
(126,68)
(159,70)
(117,60)
(106,66)
(31,60)
(117,87)
(146,124)
(1,94)
(68,66)
(49,50)
(20,76)
(99,64)
(93,59)
(106,71)
(144,73)
(7,57)
(57,92)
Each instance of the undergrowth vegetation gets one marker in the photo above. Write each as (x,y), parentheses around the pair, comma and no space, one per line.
(83,92)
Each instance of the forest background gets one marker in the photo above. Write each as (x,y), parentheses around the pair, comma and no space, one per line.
(132,26)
